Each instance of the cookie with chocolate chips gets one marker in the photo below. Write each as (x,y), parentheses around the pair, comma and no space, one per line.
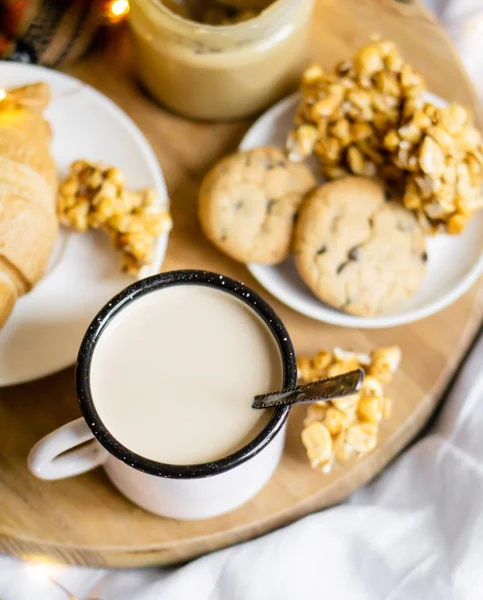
(357,250)
(248,203)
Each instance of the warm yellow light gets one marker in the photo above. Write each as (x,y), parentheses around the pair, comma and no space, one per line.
(118,9)
(40,572)
(3,95)
(40,568)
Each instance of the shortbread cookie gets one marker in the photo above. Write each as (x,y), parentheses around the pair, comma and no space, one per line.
(356,250)
(248,203)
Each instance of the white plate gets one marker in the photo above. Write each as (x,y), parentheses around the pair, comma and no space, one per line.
(44,331)
(454,263)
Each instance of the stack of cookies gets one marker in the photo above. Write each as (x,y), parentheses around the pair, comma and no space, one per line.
(358,250)
(400,167)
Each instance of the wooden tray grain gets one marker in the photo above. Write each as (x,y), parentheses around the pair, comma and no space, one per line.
(84,520)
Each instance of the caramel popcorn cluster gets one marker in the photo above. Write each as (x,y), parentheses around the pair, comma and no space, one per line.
(95,196)
(347,427)
(441,154)
(368,117)
(344,115)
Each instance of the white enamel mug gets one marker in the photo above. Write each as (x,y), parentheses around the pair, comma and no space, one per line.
(187,491)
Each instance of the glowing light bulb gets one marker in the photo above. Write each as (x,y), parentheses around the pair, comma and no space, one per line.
(117,10)
(43,573)
(3,95)
(39,572)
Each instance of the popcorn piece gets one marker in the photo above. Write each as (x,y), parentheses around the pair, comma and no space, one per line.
(371,387)
(321,361)
(384,362)
(368,117)
(362,437)
(456,223)
(94,196)
(369,409)
(347,404)
(344,428)
(336,421)
(301,142)
(317,441)
(343,451)
(315,412)
(305,369)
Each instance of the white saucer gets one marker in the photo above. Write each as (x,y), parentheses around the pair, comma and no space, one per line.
(454,264)
(44,331)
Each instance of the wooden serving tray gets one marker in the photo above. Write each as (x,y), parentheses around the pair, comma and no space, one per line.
(84,520)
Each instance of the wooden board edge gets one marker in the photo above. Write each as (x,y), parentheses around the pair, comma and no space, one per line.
(161,555)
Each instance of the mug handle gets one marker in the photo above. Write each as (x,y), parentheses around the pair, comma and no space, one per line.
(55,456)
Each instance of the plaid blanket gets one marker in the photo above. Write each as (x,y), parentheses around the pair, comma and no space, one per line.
(49,32)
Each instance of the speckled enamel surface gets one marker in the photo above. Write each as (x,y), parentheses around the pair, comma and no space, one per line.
(157,282)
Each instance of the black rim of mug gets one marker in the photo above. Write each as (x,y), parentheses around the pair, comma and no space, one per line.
(151,284)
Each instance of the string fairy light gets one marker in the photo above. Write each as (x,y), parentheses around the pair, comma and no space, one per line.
(117,10)
(42,571)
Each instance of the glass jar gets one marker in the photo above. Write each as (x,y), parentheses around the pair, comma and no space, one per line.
(220,72)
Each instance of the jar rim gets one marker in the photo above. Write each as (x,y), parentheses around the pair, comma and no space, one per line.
(269,17)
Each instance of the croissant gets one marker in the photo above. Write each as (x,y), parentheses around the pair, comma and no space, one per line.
(28,190)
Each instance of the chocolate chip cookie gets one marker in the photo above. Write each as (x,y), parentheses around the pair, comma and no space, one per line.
(356,249)
(248,203)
